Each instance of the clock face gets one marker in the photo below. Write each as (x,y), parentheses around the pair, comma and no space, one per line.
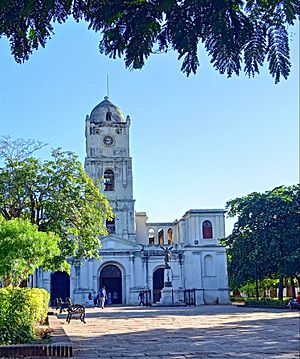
(108,140)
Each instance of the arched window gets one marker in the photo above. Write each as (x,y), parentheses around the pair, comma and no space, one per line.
(170,236)
(151,236)
(207,230)
(109,180)
(108,116)
(111,227)
(161,236)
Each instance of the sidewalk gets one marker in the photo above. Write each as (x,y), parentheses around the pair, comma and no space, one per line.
(180,333)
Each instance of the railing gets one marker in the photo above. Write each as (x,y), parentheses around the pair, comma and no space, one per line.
(146,298)
(190,297)
(184,297)
(179,297)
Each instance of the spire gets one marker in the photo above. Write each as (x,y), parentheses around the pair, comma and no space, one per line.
(107,88)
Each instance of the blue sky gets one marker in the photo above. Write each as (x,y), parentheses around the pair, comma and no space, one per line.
(196,142)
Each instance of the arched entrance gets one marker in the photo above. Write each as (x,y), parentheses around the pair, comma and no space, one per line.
(158,284)
(60,286)
(111,278)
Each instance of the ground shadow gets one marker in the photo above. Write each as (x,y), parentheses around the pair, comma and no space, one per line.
(156,312)
(229,338)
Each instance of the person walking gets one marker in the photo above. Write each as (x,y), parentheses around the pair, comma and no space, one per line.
(102,297)
(95,296)
(141,298)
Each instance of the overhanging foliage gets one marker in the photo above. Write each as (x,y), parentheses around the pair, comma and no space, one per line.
(234,33)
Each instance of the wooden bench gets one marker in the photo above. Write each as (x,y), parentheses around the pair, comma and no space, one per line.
(76,310)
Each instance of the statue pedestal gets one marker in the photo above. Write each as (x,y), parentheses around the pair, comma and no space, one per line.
(167,278)
(166,297)
(169,296)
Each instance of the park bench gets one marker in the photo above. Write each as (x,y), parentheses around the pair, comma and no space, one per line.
(61,305)
(76,310)
(73,310)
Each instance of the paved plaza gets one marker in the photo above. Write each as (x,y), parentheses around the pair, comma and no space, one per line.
(180,333)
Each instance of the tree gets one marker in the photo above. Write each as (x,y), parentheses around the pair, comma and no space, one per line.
(265,285)
(19,148)
(232,31)
(24,249)
(57,196)
(265,239)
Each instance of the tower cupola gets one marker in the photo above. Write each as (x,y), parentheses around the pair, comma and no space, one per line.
(106,111)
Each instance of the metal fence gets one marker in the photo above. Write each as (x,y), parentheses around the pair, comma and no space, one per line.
(188,298)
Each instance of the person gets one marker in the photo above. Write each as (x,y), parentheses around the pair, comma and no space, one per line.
(95,296)
(141,298)
(90,301)
(295,303)
(109,301)
(102,296)
(115,297)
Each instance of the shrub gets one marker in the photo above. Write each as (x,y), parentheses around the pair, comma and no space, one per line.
(21,309)
(268,302)
(237,299)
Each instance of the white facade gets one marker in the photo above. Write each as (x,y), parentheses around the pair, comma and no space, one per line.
(131,257)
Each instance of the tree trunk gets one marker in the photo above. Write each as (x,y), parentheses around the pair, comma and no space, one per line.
(280,288)
(298,279)
(293,287)
(7,280)
(256,284)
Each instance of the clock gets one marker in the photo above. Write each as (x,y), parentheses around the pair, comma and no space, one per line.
(108,140)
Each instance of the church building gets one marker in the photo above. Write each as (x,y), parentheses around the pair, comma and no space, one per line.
(133,254)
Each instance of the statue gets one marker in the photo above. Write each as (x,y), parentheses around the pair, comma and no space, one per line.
(168,255)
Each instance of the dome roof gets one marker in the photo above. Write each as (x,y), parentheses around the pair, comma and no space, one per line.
(99,113)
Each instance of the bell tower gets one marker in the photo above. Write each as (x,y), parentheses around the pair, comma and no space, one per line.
(108,161)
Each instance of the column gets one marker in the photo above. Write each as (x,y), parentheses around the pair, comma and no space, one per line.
(90,274)
(144,272)
(180,260)
(72,283)
(124,174)
(47,281)
(185,233)
(95,283)
(77,276)
(146,281)
(192,230)
(197,226)
(126,215)
(165,236)
(131,265)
